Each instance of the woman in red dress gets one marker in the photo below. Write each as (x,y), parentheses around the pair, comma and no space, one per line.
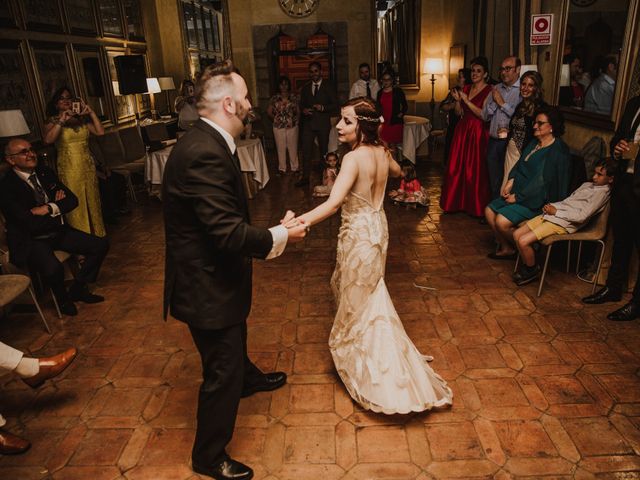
(393,104)
(466,181)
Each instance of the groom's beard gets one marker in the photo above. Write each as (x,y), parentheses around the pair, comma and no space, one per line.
(243,115)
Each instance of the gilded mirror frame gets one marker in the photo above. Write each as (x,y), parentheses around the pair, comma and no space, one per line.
(628,57)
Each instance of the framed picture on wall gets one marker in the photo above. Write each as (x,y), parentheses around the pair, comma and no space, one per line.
(80,16)
(124,103)
(457,60)
(43,15)
(111,18)
(133,17)
(52,65)
(189,18)
(215,28)
(7,16)
(14,90)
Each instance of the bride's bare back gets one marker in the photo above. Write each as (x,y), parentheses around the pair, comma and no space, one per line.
(364,171)
(373,171)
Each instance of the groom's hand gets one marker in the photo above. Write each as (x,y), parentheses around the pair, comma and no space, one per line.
(297,233)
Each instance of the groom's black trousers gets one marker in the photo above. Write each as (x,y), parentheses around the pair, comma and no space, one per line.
(225,369)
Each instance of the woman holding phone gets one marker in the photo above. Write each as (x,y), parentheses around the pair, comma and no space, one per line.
(69,125)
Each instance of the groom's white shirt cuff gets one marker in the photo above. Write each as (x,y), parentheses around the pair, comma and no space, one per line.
(280,237)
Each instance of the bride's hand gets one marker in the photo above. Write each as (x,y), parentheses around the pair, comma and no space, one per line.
(294,222)
(287,217)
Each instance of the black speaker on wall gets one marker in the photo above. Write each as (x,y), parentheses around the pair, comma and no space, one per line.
(132,75)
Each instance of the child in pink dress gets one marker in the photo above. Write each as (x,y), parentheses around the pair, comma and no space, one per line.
(328,176)
(410,191)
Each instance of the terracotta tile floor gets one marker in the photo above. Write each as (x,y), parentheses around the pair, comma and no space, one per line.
(543,387)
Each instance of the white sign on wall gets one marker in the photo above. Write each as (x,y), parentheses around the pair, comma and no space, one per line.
(541,29)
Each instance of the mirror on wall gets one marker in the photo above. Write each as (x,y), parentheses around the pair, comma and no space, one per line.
(398,40)
(594,38)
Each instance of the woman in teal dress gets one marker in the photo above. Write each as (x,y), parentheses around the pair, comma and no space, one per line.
(70,132)
(540,176)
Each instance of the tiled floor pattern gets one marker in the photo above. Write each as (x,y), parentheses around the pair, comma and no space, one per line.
(544,387)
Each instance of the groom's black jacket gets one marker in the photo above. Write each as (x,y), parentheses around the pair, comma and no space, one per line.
(209,240)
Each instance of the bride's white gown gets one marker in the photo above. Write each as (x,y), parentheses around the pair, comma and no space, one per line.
(378,363)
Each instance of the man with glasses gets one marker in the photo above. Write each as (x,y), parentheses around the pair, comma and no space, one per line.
(318,102)
(33,201)
(498,110)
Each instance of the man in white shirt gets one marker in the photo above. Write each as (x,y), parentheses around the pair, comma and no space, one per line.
(599,96)
(365,86)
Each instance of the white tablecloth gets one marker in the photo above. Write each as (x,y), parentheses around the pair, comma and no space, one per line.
(154,167)
(415,132)
(252,159)
(250,153)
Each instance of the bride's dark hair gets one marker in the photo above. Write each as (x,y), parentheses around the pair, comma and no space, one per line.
(369,120)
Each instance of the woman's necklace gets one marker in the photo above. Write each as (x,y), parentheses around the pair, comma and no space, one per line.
(538,146)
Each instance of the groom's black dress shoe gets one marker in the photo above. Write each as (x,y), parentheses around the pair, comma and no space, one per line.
(227,469)
(268,382)
(629,312)
(605,294)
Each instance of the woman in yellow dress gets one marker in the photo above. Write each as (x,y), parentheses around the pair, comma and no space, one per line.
(69,128)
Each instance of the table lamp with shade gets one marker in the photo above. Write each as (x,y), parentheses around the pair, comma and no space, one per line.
(433,66)
(12,123)
(153,86)
(166,84)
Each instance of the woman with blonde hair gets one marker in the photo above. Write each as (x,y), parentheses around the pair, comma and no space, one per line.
(521,126)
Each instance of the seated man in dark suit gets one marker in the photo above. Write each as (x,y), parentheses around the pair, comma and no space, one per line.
(33,200)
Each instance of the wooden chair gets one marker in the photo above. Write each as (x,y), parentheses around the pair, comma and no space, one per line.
(594,231)
(13,285)
(62,256)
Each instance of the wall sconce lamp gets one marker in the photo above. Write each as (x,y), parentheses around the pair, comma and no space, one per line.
(433,67)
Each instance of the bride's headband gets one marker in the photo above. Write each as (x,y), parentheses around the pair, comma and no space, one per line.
(370,119)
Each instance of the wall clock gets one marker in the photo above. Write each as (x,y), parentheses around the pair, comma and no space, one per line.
(299,8)
(583,3)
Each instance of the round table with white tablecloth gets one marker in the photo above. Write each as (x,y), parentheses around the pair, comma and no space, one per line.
(415,132)
(253,165)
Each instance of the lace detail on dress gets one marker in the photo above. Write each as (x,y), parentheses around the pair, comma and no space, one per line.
(379,365)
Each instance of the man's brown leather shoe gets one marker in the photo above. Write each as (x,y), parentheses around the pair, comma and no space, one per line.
(11,444)
(51,366)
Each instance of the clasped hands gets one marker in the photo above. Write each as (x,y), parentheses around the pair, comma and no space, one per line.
(296,226)
(506,192)
(44,209)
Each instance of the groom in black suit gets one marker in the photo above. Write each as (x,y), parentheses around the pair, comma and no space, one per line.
(318,102)
(625,217)
(209,246)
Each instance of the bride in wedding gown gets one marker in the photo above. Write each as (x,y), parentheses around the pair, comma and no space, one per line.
(377,362)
